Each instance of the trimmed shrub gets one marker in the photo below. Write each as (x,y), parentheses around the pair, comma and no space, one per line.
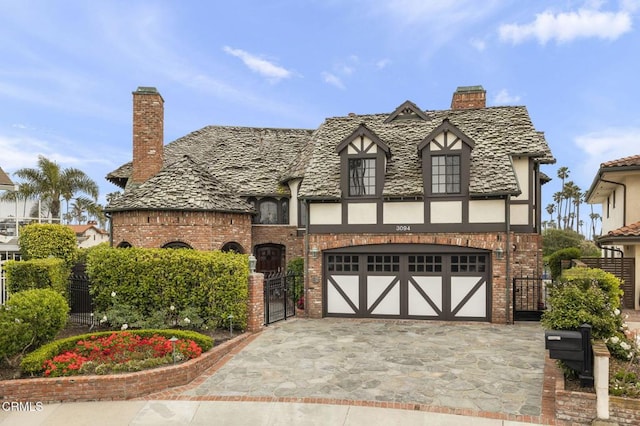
(555,260)
(33,362)
(37,273)
(44,240)
(140,285)
(585,296)
(29,319)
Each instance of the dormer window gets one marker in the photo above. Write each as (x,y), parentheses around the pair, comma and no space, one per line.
(362,176)
(445,174)
(363,158)
(446,160)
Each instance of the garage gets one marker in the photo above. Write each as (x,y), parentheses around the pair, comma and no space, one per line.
(407,281)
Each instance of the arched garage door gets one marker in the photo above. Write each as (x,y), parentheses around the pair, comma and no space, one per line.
(407,281)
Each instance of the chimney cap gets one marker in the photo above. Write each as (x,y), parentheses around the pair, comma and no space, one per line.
(463,89)
(146,89)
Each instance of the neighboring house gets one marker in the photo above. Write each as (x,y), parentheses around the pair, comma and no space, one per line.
(409,214)
(617,188)
(89,235)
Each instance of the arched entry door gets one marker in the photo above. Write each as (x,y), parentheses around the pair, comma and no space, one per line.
(271,258)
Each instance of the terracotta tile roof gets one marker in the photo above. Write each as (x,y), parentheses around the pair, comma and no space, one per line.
(498,132)
(633,160)
(631,230)
(182,185)
(81,229)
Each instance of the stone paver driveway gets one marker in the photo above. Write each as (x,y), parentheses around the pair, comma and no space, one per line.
(485,367)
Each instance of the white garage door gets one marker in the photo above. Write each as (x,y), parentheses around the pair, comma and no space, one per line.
(424,285)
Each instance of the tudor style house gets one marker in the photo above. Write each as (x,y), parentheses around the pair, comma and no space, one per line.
(616,187)
(408,214)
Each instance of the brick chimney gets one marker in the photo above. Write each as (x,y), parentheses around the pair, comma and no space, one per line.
(148,133)
(469,97)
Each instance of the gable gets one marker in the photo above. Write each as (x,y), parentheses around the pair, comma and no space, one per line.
(407,111)
(445,137)
(363,141)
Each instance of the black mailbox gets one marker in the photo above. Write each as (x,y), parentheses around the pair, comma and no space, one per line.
(574,349)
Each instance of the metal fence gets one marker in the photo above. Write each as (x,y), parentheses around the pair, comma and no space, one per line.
(282,292)
(80,300)
(529,298)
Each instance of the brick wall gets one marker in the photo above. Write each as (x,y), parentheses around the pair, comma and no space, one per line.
(114,387)
(255,306)
(201,230)
(148,133)
(526,258)
(279,234)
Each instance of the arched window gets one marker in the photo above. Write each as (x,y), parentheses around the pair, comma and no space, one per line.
(271,211)
(124,244)
(177,245)
(232,247)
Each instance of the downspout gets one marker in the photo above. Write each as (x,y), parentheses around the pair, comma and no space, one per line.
(507,253)
(108,216)
(306,259)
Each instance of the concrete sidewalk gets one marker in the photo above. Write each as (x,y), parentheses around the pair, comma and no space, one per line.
(159,413)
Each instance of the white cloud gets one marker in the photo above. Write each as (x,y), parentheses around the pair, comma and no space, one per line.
(268,69)
(479,45)
(504,98)
(566,27)
(606,145)
(383,63)
(333,80)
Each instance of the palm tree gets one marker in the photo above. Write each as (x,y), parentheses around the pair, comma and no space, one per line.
(550,209)
(563,173)
(50,183)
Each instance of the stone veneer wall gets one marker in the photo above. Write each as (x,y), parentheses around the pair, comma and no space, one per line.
(201,230)
(527,260)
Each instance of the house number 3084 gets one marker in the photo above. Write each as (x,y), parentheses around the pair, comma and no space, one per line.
(403,228)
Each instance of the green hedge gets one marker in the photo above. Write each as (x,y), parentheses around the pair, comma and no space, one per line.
(29,319)
(33,362)
(555,260)
(37,273)
(150,282)
(44,240)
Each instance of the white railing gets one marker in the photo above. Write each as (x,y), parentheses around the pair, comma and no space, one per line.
(4,294)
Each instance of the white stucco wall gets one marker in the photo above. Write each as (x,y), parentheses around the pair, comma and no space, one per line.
(325,214)
(403,212)
(520,214)
(521,167)
(446,211)
(362,213)
(486,211)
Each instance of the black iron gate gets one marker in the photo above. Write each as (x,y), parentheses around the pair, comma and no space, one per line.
(529,298)
(282,292)
(80,301)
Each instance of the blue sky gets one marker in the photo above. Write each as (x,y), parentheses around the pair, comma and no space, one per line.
(67,70)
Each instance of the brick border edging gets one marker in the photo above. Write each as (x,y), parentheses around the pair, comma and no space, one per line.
(116,386)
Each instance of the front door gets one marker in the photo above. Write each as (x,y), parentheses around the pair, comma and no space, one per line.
(270,258)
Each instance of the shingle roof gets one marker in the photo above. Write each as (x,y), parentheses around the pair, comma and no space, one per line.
(256,161)
(183,185)
(253,160)
(499,133)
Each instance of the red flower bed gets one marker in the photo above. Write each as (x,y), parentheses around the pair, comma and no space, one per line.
(119,352)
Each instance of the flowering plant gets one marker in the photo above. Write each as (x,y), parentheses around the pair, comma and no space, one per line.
(101,355)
